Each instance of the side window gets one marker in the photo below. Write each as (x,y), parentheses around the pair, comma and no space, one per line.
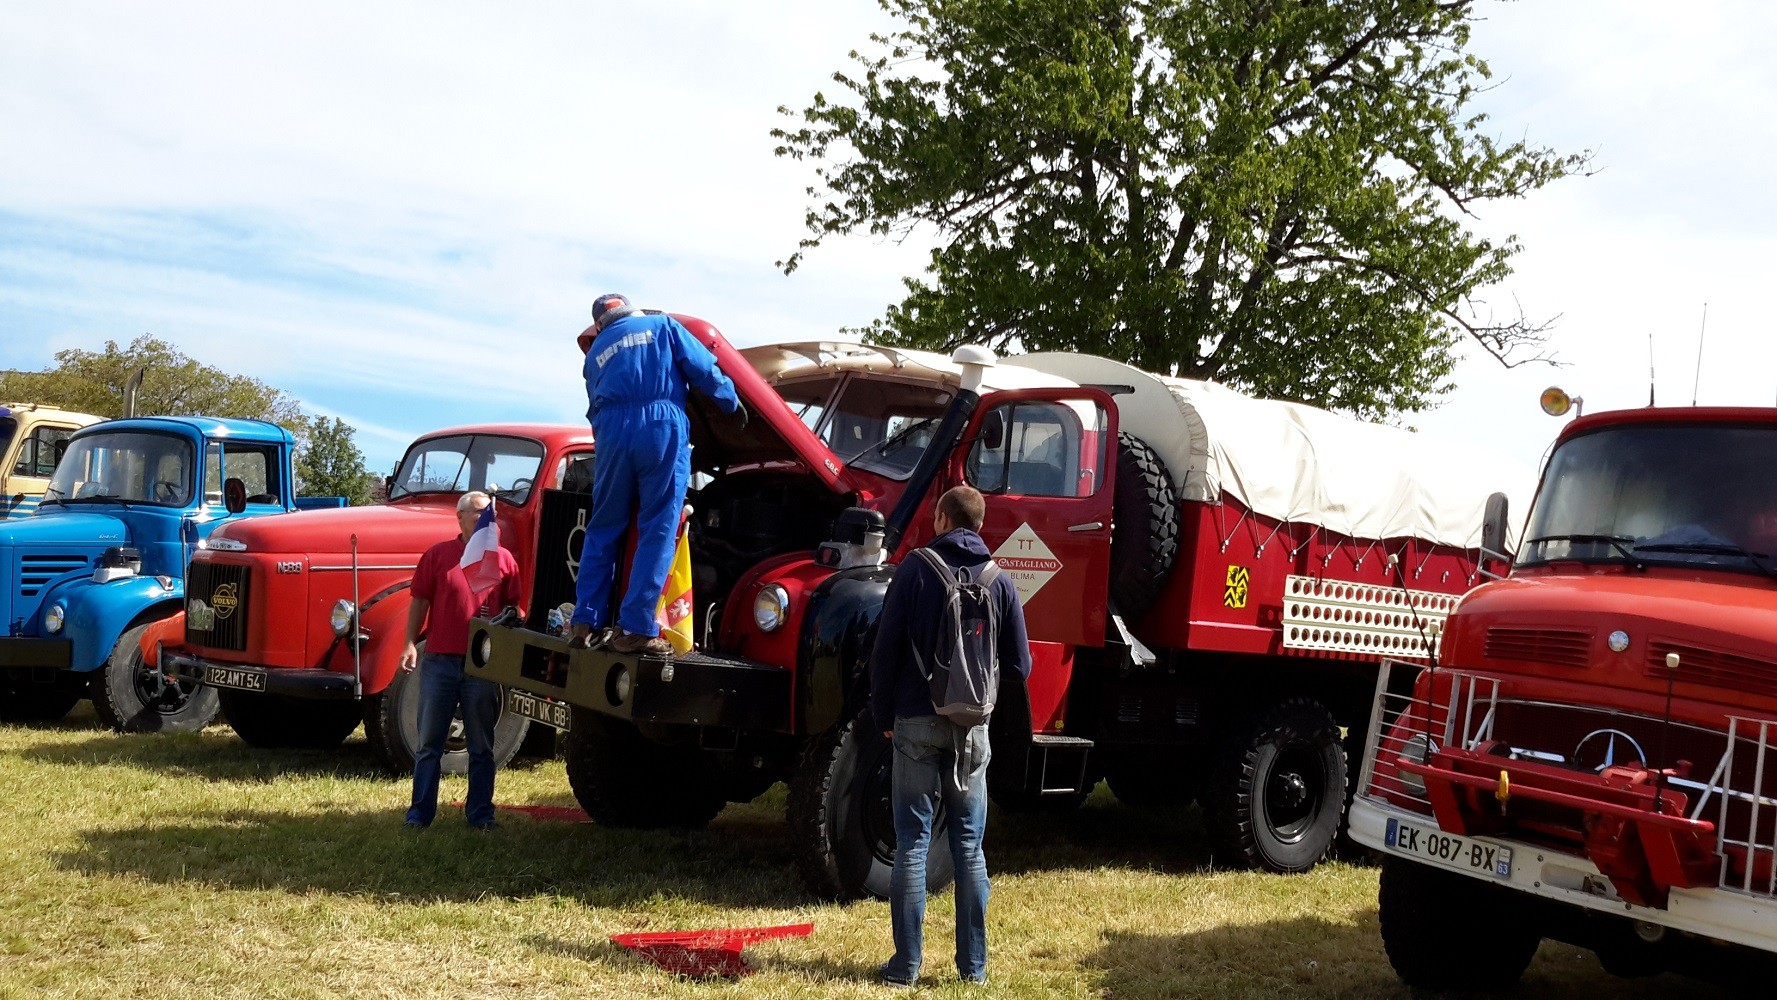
(257,469)
(1040,448)
(39,452)
(576,474)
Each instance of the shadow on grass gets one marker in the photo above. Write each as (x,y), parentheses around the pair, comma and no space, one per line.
(741,860)
(215,754)
(1101,833)
(1312,958)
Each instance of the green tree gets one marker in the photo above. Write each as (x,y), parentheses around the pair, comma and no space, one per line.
(172,385)
(1269,193)
(332,465)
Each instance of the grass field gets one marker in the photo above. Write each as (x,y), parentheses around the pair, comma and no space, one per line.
(160,866)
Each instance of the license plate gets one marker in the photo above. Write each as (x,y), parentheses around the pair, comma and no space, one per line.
(550,713)
(240,680)
(1448,849)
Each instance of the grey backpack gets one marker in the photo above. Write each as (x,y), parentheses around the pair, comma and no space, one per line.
(964,671)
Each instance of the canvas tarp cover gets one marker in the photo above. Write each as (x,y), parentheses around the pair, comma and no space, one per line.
(1299,463)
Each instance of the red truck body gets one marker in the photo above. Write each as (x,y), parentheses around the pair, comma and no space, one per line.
(1592,758)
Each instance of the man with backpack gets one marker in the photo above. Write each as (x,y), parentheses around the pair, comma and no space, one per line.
(951,621)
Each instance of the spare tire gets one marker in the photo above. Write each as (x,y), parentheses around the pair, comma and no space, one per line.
(1144,528)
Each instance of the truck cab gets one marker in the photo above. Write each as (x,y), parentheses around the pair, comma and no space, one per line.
(1591,757)
(298,622)
(97,574)
(32,437)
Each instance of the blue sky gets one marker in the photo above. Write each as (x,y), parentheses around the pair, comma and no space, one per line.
(400,212)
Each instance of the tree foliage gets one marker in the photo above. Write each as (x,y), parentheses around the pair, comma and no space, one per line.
(172,385)
(1263,192)
(332,465)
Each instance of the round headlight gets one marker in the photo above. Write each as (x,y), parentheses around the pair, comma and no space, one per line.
(54,618)
(771,608)
(484,650)
(619,684)
(1416,749)
(343,615)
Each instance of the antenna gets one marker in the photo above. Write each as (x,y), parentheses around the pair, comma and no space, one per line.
(1700,331)
(1650,368)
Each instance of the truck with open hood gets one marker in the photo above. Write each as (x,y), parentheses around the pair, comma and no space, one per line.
(1209,580)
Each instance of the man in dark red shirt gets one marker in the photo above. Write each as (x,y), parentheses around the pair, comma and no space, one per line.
(443,603)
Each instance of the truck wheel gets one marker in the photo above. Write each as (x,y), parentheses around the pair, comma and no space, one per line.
(1277,789)
(270,721)
(1144,533)
(392,722)
(1419,906)
(26,701)
(622,779)
(840,818)
(132,697)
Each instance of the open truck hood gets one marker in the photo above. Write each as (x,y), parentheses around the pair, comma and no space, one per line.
(773,436)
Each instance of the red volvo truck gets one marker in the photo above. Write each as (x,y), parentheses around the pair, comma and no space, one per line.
(1591,759)
(1210,581)
(299,622)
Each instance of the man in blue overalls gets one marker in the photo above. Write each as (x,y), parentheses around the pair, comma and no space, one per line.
(639,368)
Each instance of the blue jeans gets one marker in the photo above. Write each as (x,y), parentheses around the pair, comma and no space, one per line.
(442,685)
(935,761)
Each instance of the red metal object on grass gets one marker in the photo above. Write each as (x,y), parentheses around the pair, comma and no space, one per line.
(704,954)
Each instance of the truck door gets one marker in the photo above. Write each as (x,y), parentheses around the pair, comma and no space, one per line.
(1046,460)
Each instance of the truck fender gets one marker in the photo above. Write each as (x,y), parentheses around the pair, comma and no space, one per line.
(832,658)
(98,613)
(168,631)
(384,617)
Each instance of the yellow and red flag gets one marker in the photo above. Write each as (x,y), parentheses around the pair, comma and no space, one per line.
(674,612)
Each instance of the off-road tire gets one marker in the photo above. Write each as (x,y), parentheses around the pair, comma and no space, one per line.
(272,721)
(1145,528)
(392,724)
(622,779)
(26,701)
(1445,931)
(1277,789)
(841,826)
(131,698)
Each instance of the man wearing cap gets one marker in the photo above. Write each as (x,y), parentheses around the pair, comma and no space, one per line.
(639,369)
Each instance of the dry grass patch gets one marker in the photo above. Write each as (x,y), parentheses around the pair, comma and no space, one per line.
(155,866)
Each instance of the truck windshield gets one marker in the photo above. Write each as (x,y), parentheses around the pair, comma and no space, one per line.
(8,427)
(505,466)
(883,426)
(125,466)
(1680,494)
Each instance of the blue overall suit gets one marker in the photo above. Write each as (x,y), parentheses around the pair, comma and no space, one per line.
(637,374)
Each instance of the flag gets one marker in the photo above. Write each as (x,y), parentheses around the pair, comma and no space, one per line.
(481,554)
(674,611)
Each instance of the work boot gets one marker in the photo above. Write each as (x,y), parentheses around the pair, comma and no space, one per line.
(641,645)
(581,636)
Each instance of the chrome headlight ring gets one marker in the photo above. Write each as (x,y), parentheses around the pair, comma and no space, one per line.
(771,607)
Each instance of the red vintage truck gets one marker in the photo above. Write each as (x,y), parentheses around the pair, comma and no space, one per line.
(1591,760)
(1210,581)
(298,622)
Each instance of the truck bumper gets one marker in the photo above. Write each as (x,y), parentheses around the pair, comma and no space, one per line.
(48,654)
(294,682)
(690,690)
(1735,917)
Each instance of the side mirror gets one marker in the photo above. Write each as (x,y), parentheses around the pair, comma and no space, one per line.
(234,495)
(993,430)
(1494,524)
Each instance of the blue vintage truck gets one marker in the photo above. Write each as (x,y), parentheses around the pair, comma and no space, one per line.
(92,580)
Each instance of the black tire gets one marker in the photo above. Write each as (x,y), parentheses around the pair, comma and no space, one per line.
(840,821)
(270,721)
(1421,907)
(623,779)
(131,697)
(1151,778)
(29,701)
(1145,528)
(392,724)
(1277,789)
